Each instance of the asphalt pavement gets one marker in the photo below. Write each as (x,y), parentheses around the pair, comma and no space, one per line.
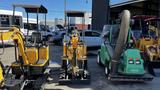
(98,78)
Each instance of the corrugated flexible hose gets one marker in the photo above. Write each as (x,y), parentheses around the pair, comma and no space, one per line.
(121,41)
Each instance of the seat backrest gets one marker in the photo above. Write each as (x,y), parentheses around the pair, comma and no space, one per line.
(32,55)
(36,37)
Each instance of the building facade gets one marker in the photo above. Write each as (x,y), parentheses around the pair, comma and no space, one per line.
(81,23)
(137,7)
(102,12)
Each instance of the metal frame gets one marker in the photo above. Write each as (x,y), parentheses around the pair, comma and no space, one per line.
(31,9)
(75,14)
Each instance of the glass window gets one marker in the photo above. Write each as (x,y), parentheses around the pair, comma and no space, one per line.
(88,34)
(42,27)
(25,25)
(60,27)
(95,34)
(18,21)
(80,33)
(55,33)
(31,26)
(137,25)
(4,20)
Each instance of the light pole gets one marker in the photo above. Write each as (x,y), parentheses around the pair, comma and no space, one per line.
(65,16)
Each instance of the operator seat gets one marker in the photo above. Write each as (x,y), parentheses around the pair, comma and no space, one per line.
(36,38)
(37,47)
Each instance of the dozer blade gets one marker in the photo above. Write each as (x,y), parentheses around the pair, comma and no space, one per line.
(143,78)
(74,81)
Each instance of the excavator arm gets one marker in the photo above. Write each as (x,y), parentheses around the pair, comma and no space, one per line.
(17,37)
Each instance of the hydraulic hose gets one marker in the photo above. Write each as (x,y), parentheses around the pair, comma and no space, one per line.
(2,44)
(121,41)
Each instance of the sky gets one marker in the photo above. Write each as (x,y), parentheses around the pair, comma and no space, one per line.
(55,7)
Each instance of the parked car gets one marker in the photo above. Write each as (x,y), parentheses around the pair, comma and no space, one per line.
(91,38)
(58,36)
(57,27)
(5,23)
(46,33)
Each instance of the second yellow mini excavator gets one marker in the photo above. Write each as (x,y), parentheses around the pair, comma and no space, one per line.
(74,61)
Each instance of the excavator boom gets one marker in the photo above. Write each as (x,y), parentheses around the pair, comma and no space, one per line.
(17,37)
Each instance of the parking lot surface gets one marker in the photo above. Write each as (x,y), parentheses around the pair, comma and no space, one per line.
(98,79)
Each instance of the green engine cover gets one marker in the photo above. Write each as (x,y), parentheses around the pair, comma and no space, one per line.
(131,63)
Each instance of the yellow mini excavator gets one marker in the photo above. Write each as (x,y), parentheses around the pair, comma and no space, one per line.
(31,61)
(148,42)
(74,61)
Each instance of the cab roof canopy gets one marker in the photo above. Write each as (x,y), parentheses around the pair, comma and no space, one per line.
(32,8)
(75,13)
